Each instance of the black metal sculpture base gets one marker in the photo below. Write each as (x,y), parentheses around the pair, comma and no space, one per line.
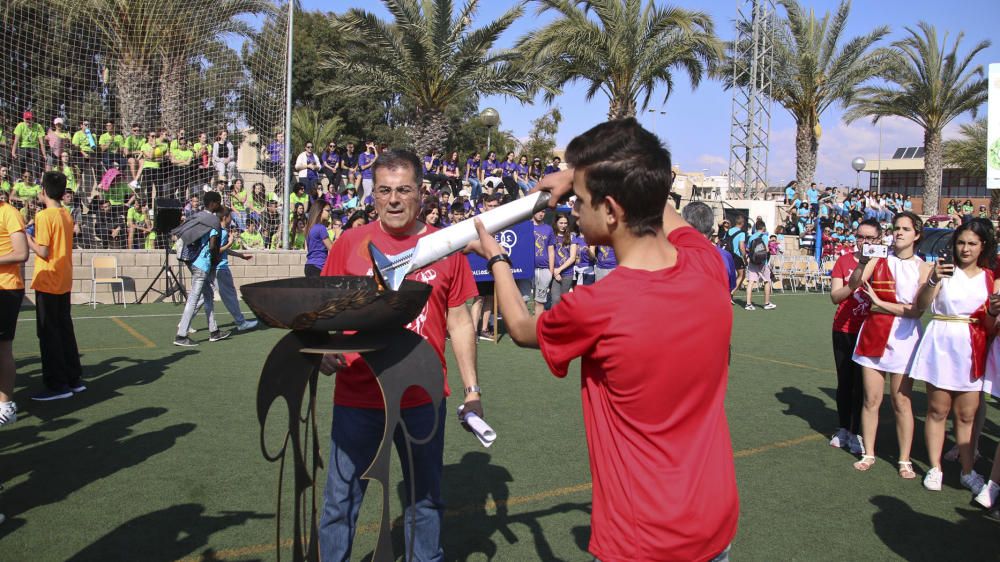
(400,359)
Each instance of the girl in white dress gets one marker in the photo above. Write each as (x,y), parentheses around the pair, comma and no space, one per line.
(892,297)
(957,291)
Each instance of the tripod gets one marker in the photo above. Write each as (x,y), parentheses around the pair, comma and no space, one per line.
(173,284)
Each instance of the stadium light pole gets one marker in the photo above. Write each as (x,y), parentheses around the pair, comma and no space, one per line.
(288,131)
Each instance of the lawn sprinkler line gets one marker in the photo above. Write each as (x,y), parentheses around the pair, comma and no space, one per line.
(146,342)
(240,552)
(786,363)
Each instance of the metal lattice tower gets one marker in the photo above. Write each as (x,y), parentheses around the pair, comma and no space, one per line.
(753,56)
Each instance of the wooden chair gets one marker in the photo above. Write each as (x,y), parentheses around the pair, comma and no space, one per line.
(104,269)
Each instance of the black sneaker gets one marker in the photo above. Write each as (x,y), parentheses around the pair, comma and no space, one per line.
(486,335)
(184,341)
(219,335)
(48,395)
(78,387)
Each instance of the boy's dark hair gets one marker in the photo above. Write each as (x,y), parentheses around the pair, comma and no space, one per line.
(458,206)
(211,197)
(395,158)
(872,223)
(54,184)
(622,160)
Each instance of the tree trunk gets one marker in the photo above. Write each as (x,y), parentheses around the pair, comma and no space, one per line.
(430,131)
(172,93)
(621,108)
(806,147)
(933,165)
(132,82)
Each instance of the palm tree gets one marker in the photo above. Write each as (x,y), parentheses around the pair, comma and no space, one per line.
(930,86)
(309,126)
(626,52)
(969,151)
(143,36)
(431,57)
(813,69)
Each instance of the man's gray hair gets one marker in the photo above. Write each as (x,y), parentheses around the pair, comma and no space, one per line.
(700,216)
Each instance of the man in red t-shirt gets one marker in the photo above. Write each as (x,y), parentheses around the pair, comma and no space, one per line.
(358,406)
(852,308)
(653,391)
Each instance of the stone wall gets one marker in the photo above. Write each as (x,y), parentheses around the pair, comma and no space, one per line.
(139,267)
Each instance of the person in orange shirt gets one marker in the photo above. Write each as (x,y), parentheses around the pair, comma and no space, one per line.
(53,247)
(13,252)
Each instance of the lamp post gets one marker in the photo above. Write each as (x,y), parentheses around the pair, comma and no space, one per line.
(490,118)
(858,164)
(654,112)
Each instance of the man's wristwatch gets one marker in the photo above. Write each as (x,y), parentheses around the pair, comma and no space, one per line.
(497,258)
(474,388)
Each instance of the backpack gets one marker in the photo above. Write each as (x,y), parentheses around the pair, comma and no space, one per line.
(727,241)
(757,252)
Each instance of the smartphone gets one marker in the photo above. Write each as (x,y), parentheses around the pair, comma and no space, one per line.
(875,250)
(945,256)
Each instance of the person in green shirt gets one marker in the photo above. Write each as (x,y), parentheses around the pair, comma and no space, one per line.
(85,145)
(133,151)
(28,148)
(240,202)
(25,190)
(298,234)
(299,197)
(181,162)
(154,152)
(120,195)
(252,240)
(5,184)
(177,141)
(67,169)
(112,146)
(137,221)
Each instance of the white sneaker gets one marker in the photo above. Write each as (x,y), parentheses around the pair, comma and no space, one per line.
(839,439)
(987,497)
(855,445)
(770,306)
(133,184)
(750,307)
(246,325)
(8,413)
(973,481)
(932,481)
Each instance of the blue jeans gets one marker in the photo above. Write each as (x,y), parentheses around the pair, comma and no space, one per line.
(354,441)
(476,187)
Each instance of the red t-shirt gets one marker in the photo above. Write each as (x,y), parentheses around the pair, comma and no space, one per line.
(851,312)
(453,285)
(655,348)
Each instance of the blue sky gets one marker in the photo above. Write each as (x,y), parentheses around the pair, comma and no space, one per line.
(696,124)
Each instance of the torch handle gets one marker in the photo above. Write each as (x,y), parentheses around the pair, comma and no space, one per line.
(441,244)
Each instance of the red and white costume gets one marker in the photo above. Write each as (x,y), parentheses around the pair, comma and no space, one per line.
(887,342)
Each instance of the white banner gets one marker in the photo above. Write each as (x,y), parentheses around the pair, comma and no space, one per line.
(993,129)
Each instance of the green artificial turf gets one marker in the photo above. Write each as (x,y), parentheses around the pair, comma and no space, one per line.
(160,459)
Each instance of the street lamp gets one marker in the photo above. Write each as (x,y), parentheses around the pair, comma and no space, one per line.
(858,164)
(491,119)
(654,112)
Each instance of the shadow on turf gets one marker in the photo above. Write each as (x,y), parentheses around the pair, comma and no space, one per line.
(918,536)
(165,535)
(57,468)
(103,380)
(472,489)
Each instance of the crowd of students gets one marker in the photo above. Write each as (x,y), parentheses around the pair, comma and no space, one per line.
(878,334)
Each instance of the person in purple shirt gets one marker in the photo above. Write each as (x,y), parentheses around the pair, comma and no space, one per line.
(474,174)
(554,166)
(452,173)
(274,166)
(331,164)
(507,169)
(535,172)
(606,261)
(491,171)
(366,161)
(318,241)
(544,241)
(702,218)
(432,170)
(521,174)
(563,256)
(349,165)
(584,268)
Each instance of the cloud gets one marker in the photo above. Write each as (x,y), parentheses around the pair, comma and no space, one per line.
(713,162)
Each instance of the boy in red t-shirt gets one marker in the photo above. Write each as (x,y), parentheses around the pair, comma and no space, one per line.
(653,391)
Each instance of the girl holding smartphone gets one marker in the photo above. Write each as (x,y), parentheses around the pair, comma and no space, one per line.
(951,356)
(889,337)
